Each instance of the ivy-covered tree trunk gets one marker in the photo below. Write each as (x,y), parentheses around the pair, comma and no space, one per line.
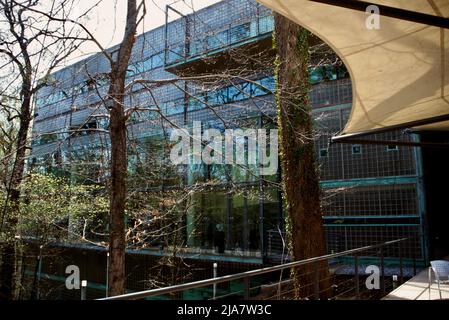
(300,175)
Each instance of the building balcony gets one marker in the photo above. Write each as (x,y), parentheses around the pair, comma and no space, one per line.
(208,52)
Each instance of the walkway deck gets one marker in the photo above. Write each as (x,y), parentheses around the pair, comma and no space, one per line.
(417,288)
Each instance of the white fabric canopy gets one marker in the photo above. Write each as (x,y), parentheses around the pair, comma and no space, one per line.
(400,73)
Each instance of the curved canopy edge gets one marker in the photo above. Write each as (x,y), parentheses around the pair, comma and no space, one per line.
(399,72)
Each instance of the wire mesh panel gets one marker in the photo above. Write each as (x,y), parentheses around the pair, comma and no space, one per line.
(356,161)
(390,200)
(224,24)
(347,236)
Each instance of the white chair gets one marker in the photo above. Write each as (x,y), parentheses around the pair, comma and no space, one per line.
(441,270)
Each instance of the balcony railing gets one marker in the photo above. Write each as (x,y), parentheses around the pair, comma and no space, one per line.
(249,23)
(348,275)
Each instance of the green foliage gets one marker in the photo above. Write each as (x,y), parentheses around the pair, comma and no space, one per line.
(49,202)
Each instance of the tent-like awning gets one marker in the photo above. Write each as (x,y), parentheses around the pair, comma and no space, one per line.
(399,72)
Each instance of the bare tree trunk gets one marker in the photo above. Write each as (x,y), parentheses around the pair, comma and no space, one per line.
(117,243)
(117,132)
(10,271)
(300,176)
(24,51)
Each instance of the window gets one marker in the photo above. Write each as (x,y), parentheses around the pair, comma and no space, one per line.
(240,32)
(144,115)
(268,85)
(153,62)
(47,138)
(133,69)
(114,55)
(147,64)
(173,107)
(209,231)
(258,90)
(218,97)
(196,103)
(86,129)
(316,75)
(392,147)
(342,72)
(103,123)
(78,89)
(53,97)
(356,149)
(254,28)
(240,92)
(101,80)
(212,42)
(158,60)
(40,102)
(218,40)
(196,47)
(234,94)
(266,24)
(90,84)
(323,153)
(327,73)
(223,37)
(331,72)
(245,90)
(175,54)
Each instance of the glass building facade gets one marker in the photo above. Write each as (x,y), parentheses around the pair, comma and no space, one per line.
(370,193)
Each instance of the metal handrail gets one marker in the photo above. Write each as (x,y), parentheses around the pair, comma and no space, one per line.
(243,275)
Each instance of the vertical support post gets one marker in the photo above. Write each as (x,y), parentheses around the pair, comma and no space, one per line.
(22,275)
(261,219)
(107,273)
(187,39)
(356,276)
(185,177)
(245,222)
(258,18)
(395,281)
(83,289)
(186,102)
(269,244)
(414,263)
(246,288)
(261,202)
(342,161)
(424,226)
(166,35)
(229,222)
(382,270)
(316,280)
(39,272)
(401,263)
(215,273)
